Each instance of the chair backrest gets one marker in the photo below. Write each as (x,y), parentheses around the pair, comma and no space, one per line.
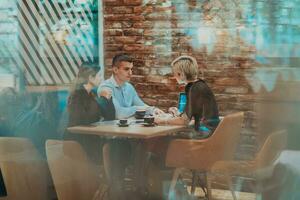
(227,135)
(271,149)
(25,173)
(72,172)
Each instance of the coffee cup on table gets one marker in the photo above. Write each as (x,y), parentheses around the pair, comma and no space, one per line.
(140,113)
(149,120)
(123,121)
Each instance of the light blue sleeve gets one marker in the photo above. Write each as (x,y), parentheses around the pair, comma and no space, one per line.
(123,112)
(137,101)
(102,86)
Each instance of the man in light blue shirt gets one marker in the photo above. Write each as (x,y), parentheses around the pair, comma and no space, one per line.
(125,97)
(126,102)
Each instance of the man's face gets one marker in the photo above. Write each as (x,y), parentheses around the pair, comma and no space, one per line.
(178,76)
(123,71)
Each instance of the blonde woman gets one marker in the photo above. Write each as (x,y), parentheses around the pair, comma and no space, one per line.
(201,105)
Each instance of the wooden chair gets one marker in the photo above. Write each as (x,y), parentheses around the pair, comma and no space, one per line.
(25,173)
(260,168)
(201,155)
(73,174)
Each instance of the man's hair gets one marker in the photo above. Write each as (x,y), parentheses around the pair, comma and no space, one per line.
(121,58)
(186,65)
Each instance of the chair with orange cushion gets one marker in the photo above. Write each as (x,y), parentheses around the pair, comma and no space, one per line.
(201,155)
(260,168)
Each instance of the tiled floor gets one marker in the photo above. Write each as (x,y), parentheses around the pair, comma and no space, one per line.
(218,194)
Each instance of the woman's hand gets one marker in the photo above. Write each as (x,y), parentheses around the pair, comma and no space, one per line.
(174,111)
(106,93)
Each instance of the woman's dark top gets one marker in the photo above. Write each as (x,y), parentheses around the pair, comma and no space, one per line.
(201,105)
(83,108)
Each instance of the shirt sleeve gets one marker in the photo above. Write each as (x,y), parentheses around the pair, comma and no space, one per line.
(123,112)
(137,101)
(103,86)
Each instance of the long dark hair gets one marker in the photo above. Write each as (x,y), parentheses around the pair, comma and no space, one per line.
(85,71)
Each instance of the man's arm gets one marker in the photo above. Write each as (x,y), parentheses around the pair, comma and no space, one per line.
(137,101)
(105,90)
(123,112)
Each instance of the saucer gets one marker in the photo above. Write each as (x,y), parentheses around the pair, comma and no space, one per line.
(148,125)
(123,125)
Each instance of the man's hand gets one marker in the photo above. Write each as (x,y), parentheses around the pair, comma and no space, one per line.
(106,93)
(158,111)
(159,120)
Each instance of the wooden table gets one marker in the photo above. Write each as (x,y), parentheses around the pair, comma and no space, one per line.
(137,131)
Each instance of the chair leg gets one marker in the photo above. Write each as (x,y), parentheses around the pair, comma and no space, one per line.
(176,175)
(208,185)
(230,185)
(194,177)
(106,161)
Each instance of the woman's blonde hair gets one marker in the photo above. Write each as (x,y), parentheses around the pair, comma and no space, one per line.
(188,66)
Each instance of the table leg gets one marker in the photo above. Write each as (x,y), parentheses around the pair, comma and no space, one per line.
(142,158)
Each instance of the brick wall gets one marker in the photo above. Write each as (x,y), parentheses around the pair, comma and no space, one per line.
(230,41)
(156,32)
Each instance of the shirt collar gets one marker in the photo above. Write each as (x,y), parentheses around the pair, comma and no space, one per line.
(114,82)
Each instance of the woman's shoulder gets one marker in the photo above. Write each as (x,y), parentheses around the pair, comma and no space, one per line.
(78,93)
(200,84)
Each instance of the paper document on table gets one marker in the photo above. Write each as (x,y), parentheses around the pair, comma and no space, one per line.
(111,122)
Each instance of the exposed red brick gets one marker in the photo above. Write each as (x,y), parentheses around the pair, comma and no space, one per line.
(112,2)
(113,47)
(124,17)
(154,34)
(143,24)
(134,47)
(113,32)
(133,2)
(143,10)
(126,39)
(121,10)
(133,31)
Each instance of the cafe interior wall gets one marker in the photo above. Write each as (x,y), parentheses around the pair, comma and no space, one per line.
(236,43)
(242,47)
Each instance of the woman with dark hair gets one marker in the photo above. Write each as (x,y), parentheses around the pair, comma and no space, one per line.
(82,105)
(83,108)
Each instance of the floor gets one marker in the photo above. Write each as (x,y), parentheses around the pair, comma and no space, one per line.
(219,194)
